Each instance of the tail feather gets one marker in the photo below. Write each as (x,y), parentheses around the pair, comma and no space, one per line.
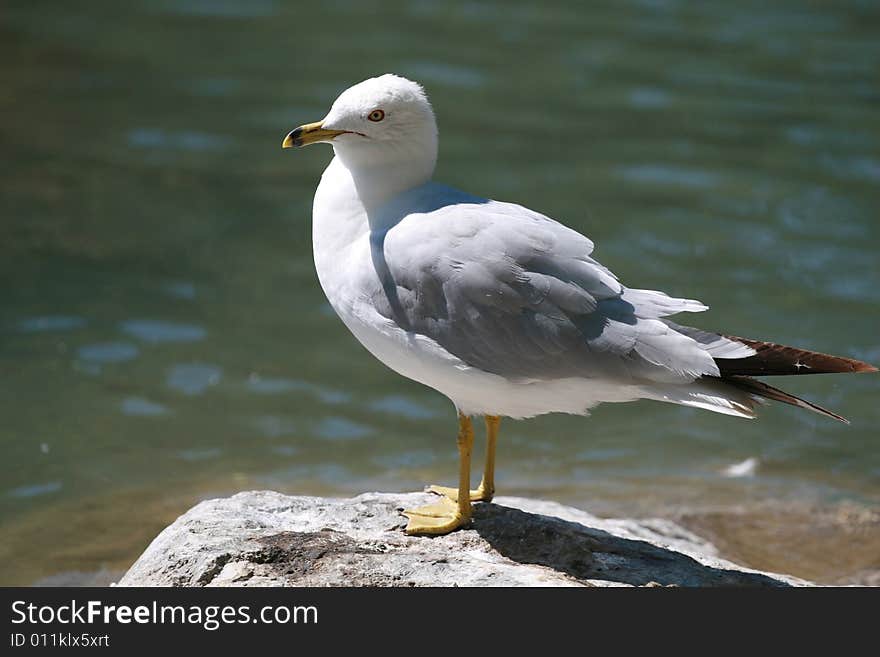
(708,393)
(770,359)
(775,359)
(764,391)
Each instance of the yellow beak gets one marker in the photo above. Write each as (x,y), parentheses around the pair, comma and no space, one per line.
(310,133)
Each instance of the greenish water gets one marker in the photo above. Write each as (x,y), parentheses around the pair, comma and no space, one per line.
(163,336)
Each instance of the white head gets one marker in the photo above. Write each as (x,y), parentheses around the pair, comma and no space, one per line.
(383,127)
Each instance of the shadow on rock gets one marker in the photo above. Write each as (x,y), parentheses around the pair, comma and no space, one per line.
(585,553)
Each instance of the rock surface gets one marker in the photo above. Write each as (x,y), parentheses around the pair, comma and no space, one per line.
(264,538)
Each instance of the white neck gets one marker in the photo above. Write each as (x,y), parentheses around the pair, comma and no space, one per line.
(382,170)
(355,186)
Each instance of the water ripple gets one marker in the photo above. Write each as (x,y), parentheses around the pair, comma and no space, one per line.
(403,406)
(277,386)
(662,174)
(185,140)
(181,290)
(144,407)
(649,98)
(51,323)
(274,426)
(193,378)
(339,428)
(108,352)
(456,76)
(199,453)
(156,331)
(225,8)
(35,490)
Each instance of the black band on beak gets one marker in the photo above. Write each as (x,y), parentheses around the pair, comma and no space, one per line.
(293,139)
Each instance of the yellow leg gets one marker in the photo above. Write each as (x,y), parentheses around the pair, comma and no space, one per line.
(487,485)
(448,515)
(486,490)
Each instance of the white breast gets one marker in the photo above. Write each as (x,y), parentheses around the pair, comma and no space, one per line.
(346,273)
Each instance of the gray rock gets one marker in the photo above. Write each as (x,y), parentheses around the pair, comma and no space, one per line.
(264,538)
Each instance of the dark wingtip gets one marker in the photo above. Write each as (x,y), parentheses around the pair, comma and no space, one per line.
(766,391)
(776,359)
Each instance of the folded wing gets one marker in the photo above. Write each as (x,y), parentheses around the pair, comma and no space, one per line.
(515,293)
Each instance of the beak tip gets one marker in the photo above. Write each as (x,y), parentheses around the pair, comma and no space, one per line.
(293,139)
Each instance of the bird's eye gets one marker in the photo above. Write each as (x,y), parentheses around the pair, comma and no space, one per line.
(376,115)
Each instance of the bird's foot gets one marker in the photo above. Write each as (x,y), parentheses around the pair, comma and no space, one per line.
(442,517)
(481,494)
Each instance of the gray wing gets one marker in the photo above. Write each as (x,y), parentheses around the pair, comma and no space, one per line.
(512,292)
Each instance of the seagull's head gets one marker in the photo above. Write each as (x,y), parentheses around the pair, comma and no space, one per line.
(383,119)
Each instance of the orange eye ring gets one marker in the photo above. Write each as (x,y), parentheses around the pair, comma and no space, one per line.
(376,115)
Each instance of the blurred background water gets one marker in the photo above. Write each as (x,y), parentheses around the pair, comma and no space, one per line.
(163,337)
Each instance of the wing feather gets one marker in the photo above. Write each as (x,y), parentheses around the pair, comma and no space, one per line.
(512,292)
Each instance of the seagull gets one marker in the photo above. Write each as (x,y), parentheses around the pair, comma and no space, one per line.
(501,309)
